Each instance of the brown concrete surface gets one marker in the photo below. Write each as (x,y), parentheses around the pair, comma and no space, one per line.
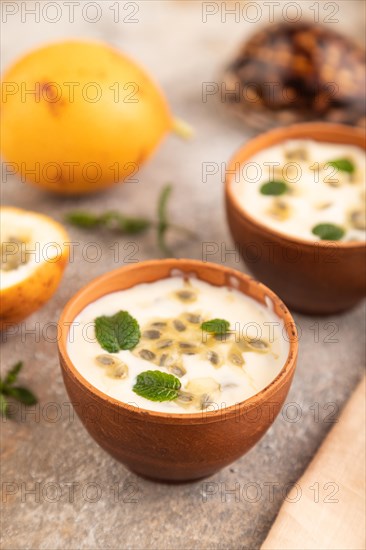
(83,498)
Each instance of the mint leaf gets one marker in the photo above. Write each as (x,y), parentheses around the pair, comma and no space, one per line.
(125,224)
(274,187)
(217,326)
(12,375)
(344,165)
(328,231)
(157,386)
(133,226)
(83,219)
(19,393)
(120,331)
(23,395)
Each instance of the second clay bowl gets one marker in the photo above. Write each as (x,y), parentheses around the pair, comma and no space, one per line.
(319,277)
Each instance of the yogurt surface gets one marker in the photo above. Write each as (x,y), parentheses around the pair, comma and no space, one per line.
(219,370)
(316,192)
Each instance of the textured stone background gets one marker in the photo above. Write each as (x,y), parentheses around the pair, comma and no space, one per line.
(49,449)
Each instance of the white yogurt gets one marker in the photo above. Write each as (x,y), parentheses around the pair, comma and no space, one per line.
(158,301)
(317,192)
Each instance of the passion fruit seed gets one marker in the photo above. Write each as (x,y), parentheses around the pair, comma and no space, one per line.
(179,325)
(162,344)
(236,359)
(333,182)
(184,397)
(258,344)
(106,360)
(188,348)
(177,370)
(118,371)
(213,357)
(147,354)
(151,334)
(167,359)
(280,209)
(323,205)
(185,345)
(294,191)
(205,401)
(194,318)
(186,296)
(358,219)
(296,154)
(159,324)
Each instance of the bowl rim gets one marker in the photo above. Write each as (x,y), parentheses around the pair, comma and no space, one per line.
(188,265)
(293,131)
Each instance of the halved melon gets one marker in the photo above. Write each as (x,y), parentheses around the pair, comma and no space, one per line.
(34,254)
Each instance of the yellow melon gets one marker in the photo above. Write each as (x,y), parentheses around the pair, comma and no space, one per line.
(79,116)
(34,253)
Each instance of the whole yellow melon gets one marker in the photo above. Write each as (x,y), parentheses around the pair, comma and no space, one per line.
(78,117)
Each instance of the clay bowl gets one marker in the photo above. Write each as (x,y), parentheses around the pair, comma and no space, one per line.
(174,447)
(320,277)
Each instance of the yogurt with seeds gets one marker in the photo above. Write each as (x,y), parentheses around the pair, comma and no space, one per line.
(210,369)
(307,189)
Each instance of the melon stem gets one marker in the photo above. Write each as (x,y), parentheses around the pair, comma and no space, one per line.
(182,129)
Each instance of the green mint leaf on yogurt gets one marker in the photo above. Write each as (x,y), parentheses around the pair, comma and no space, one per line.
(274,187)
(119,331)
(344,165)
(328,231)
(216,326)
(157,386)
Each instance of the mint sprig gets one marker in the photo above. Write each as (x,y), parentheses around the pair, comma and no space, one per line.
(274,188)
(117,221)
(119,331)
(110,220)
(157,386)
(19,393)
(328,231)
(343,165)
(216,326)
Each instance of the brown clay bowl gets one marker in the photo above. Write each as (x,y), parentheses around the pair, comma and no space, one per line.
(320,277)
(174,447)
